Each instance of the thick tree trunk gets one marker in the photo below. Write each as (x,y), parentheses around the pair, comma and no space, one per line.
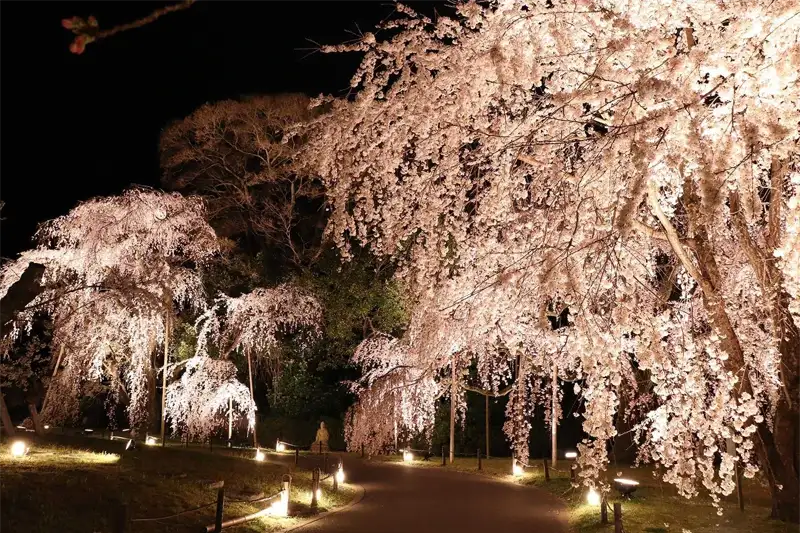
(52,378)
(8,427)
(777,450)
(37,421)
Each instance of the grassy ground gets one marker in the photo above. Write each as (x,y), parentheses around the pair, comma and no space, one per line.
(654,508)
(63,487)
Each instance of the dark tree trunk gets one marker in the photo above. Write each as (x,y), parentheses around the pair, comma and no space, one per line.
(8,427)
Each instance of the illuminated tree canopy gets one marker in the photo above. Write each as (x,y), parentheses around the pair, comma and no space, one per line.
(634,163)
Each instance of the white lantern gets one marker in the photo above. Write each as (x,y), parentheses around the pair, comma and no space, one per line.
(408,456)
(593,497)
(260,455)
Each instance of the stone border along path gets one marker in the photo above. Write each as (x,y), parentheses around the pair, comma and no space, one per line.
(399,499)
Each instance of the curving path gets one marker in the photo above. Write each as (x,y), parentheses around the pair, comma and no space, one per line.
(401,499)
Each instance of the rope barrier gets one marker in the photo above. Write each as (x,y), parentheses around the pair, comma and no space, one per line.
(173,515)
(257,500)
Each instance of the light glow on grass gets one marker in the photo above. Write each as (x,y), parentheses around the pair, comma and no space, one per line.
(408,456)
(516,469)
(19,448)
(260,455)
(593,497)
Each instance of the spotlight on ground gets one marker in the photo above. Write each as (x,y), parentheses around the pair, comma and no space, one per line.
(19,448)
(593,497)
(625,487)
(260,455)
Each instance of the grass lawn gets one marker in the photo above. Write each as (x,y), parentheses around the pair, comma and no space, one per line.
(655,507)
(61,486)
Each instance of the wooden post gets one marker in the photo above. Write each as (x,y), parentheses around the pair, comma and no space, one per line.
(554,418)
(362,450)
(443,463)
(335,482)
(252,396)
(296,456)
(220,506)
(122,519)
(453,411)
(546,470)
(487,426)
(164,379)
(55,371)
(572,474)
(739,494)
(603,510)
(320,446)
(325,462)
(479,459)
(314,487)
(617,517)
(230,420)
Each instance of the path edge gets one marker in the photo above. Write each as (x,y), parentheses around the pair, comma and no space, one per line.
(356,499)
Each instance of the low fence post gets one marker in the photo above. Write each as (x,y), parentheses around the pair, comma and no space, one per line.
(572,474)
(296,456)
(320,447)
(603,510)
(211,444)
(325,462)
(443,463)
(220,506)
(122,519)
(546,470)
(617,517)
(362,450)
(479,459)
(314,487)
(335,482)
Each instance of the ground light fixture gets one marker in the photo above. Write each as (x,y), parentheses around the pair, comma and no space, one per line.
(150,441)
(593,497)
(19,448)
(319,494)
(625,486)
(280,447)
(340,475)
(571,455)
(408,456)
(260,455)
(47,426)
(516,469)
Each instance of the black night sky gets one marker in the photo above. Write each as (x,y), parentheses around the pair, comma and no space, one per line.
(74,127)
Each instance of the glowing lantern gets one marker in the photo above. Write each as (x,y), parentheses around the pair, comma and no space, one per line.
(340,475)
(18,448)
(150,441)
(280,447)
(46,426)
(260,455)
(571,455)
(280,507)
(319,494)
(408,456)
(593,497)
(516,469)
